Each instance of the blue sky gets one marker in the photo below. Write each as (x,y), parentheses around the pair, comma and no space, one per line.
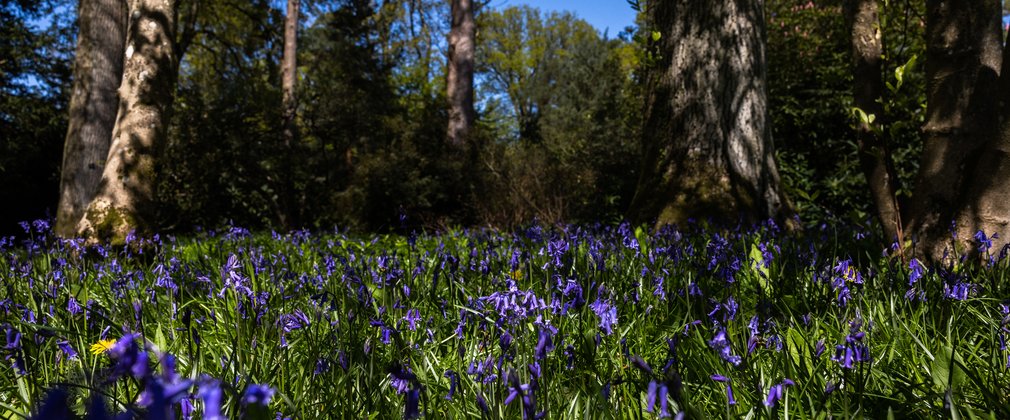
(603,14)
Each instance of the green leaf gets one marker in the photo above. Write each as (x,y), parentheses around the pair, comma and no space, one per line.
(945,373)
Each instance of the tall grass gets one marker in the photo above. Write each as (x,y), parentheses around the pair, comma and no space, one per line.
(570,322)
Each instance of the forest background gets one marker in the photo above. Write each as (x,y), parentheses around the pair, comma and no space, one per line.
(559,115)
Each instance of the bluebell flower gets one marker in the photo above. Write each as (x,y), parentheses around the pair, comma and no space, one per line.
(545,344)
(777,392)
(984,243)
(721,344)
(915,271)
(641,364)
(526,392)
(482,403)
(958,291)
(129,357)
(73,306)
(209,391)
(453,383)
(412,317)
(400,378)
(67,349)
(258,394)
(411,405)
(607,314)
(658,392)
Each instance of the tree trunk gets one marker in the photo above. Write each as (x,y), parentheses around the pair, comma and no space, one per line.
(707,146)
(125,198)
(289,77)
(459,83)
(868,90)
(963,57)
(98,69)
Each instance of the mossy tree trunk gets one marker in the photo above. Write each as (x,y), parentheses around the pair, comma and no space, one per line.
(98,69)
(125,200)
(707,145)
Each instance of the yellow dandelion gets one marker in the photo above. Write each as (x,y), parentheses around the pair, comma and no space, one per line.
(102,346)
(517,275)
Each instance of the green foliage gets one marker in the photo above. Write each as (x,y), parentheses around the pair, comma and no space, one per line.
(810,96)
(35,69)
(562,109)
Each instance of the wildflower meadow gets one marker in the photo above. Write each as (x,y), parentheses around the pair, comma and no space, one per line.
(600,321)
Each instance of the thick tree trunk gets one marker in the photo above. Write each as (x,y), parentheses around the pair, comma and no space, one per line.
(289,77)
(125,198)
(98,69)
(985,203)
(707,146)
(868,90)
(963,58)
(459,82)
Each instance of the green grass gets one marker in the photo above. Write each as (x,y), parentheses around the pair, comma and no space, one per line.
(935,358)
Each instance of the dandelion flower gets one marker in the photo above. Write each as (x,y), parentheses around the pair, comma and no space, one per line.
(102,346)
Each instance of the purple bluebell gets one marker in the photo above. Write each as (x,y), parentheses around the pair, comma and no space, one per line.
(641,364)
(412,317)
(915,271)
(657,392)
(67,349)
(74,307)
(607,313)
(482,403)
(777,392)
(984,243)
(721,344)
(401,378)
(526,393)
(209,390)
(453,383)
(411,405)
(958,291)
(545,344)
(257,394)
(129,357)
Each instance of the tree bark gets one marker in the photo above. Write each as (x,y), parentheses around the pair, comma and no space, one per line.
(707,145)
(963,58)
(98,69)
(459,81)
(985,203)
(868,89)
(126,195)
(289,77)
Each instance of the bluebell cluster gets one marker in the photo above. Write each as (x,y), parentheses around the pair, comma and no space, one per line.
(230,324)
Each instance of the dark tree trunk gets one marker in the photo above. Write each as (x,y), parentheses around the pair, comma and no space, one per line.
(985,201)
(707,145)
(289,77)
(963,57)
(868,90)
(459,81)
(98,69)
(125,200)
